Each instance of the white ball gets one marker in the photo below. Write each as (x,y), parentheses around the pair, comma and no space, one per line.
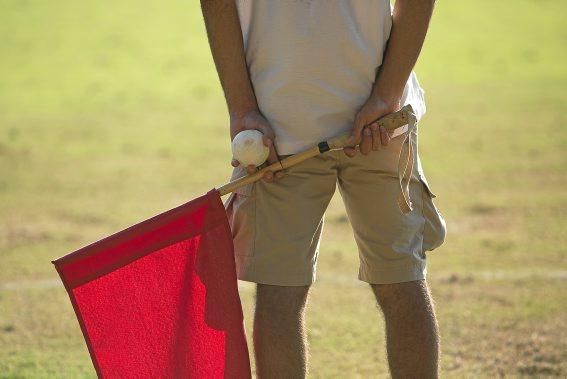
(249,149)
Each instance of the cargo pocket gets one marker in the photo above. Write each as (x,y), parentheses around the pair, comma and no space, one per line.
(435,229)
(241,214)
(246,190)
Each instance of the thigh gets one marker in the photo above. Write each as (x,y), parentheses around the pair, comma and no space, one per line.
(391,244)
(277,226)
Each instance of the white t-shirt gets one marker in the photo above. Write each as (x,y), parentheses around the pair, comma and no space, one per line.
(313,63)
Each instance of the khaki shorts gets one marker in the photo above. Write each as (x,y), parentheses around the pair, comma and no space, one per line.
(277,226)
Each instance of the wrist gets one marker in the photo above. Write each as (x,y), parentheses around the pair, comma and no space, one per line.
(391,100)
(389,91)
(237,113)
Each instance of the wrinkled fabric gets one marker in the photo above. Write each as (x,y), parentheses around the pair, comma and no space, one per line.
(160,299)
(313,64)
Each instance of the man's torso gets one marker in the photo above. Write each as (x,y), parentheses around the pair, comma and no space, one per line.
(313,63)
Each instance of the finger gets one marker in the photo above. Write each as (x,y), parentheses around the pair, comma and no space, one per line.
(356,134)
(268,133)
(349,152)
(267,141)
(251,169)
(384,136)
(366,144)
(268,176)
(272,156)
(279,174)
(375,136)
(234,163)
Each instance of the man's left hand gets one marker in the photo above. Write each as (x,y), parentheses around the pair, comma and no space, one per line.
(366,133)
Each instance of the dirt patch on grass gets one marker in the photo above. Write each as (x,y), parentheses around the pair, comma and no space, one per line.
(17,235)
(530,348)
(501,327)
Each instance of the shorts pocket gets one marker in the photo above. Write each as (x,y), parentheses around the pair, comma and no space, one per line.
(239,198)
(241,214)
(237,173)
(435,228)
(425,184)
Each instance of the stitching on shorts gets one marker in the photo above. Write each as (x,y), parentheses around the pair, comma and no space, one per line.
(423,190)
(424,220)
(411,265)
(253,193)
(404,267)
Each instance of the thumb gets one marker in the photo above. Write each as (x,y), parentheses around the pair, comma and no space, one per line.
(269,135)
(356,133)
(272,157)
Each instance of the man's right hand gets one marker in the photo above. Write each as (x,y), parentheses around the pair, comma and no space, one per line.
(254,120)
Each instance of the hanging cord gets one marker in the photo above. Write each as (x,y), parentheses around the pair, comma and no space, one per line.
(405,166)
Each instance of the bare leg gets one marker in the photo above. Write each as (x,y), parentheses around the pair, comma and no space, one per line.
(280,343)
(411,329)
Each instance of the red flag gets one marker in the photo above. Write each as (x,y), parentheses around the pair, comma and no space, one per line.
(160,299)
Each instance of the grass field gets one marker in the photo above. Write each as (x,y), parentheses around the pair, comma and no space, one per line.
(108,109)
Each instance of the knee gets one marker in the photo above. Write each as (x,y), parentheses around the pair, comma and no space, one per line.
(281,302)
(397,296)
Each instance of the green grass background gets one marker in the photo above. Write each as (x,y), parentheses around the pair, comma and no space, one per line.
(111,112)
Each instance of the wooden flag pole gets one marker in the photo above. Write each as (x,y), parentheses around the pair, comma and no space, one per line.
(391,122)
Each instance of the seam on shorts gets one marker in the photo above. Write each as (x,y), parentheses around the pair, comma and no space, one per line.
(405,266)
(293,282)
(254,195)
(415,270)
(423,190)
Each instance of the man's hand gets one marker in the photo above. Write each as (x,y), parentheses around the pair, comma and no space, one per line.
(366,133)
(410,20)
(254,120)
(227,47)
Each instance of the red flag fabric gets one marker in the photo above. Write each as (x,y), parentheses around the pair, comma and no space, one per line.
(160,299)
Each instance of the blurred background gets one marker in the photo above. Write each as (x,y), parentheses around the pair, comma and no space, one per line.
(111,112)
